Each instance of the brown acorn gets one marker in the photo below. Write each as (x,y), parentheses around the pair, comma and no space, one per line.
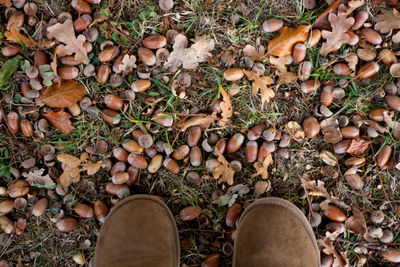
(163,120)
(5,207)
(82,23)
(119,190)
(391,254)
(377,114)
(67,224)
(81,6)
(68,72)
(371,36)
(355,162)
(181,152)
(111,116)
(388,57)
(84,210)
(103,73)
(233,74)
(334,213)
(342,146)
(214,260)
(120,154)
(359,20)
(310,86)
(383,156)
(369,69)
(255,132)
(133,175)
(311,127)
(350,131)
(221,145)
(114,102)
(341,69)
(9,51)
(194,134)
(137,133)
(326,95)
(195,156)
(40,207)
(251,151)
(234,143)
(314,38)
(171,165)
(118,167)
(272,25)
(40,58)
(18,188)
(70,60)
(190,213)
(132,146)
(12,121)
(109,53)
(393,101)
(137,161)
(155,41)
(146,56)
(233,215)
(155,164)
(100,210)
(304,70)
(26,127)
(355,181)
(299,52)
(140,85)
(120,178)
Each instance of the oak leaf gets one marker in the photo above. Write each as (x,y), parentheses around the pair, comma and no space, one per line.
(281,69)
(6,3)
(36,177)
(259,85)
(358,146)
(262,168)
(60,120)
(387,21)
(65,33)
(226,107)
(352,61)
(224,173)
(282,45)
(64,94)
(127,64)
(251,52)
(189,57)
(338,36)
(394,125)
(202,120)
(15,36)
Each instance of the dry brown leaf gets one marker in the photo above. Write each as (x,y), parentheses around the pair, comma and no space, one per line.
(394,125)
(352,61)
(60,120)
(226,107)
(359,217)
(64,94)
(260,85)
(92,168)
(127,64)
(65,33)
(338,36)
(262,168)
(281,69)
(69,160)
(329,249)
(202,120)
(190,57)
(251,52)
(36,177)
(282,45)
(358,146)
(224,173)
(387,21)
(352,5)
(6,3)
(15,36)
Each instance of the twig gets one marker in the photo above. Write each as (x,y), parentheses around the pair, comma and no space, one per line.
(367,245)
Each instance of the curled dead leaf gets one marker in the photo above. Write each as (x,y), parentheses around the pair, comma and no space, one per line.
(226,107)
(60,120)
(224,173)
(202,120)
(282,45)
(16,37)
(358,146)
(262,168)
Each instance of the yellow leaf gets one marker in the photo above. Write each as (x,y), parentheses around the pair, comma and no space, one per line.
(260,85)
(14,36)
(282,45)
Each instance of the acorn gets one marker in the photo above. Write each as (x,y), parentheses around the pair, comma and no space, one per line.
(137,133)
(155,163)
(221,145)
(82,23)
(70,60)
(338,93)
(81,6)
(341,69)
(132,146)
(255,132)
(26,127)
(334,213)
(369,69)
(67,224)
(354,180)
(118,167)
(235,142)
(18,188)
(377,114)
(233,74)
(9,51)
(120,178)
(133,175)
(310,86)
(181,152)
(5,207)
(137,161)
(146,56)
(84,210)
(103,73)
(12,121)
(100,210)
(163,119)
(88,46)
(383,156)
(111,116)
(6,225)
(371,36)
(171,165)
(350,131)
(309,4)
(68,72)
(213,260)
(353,40)
(314,38)
(355,162)
(299,52)
(119,190)
(326,95)
(109,53)
(16,20)
(342,146)
(140,85)
(91,34)
(251,151)
(94,1)
(272,25)
(359,20)
(304,70)
(155,41)
(195,156)
(233,215)
(388,57)
(366,54)
(393,101)
(40,207)
(113,102)
(391,254)
(145,140)
(194,134)
(311,127)
(120,154)
(30,9)
(190,213)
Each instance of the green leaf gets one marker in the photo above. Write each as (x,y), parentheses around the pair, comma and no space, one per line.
(17,98)
(44,68)
(47,83)
(8,68)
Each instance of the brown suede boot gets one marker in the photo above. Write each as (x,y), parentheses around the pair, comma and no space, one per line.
(272,232)
(139,231)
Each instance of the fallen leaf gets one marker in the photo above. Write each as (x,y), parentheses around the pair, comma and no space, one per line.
(259,84)
(387,21)
(226,107)
(190,57)
(60,120)
(6,3)
(15,36)
(352,5)
(224,173)
(338,36)
(36,177)
(358,146)
(127,64)
(69,176)
(92,168)
(69,160)
(202,120)
(328,248)
(281,69)
(8,68)
(65,33)
(262,168)
(352,61)
(241,189)
(261,187)
(251,52)
(394,125)
(63,94)
(359,217)
(282,45)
